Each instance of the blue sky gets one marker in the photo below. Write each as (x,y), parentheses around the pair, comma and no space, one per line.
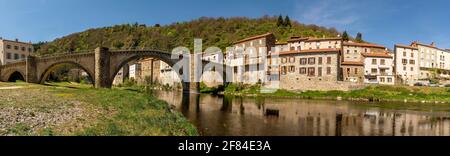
(381,21)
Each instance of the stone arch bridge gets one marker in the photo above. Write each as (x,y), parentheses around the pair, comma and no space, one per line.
(102,66)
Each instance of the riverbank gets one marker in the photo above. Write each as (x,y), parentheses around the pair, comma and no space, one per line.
(76,109)
(379,93)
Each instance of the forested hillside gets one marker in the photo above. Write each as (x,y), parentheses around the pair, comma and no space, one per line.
(221,32)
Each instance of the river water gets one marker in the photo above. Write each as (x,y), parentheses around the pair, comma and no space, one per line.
(249,116)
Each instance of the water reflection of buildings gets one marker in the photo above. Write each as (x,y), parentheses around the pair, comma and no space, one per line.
(249,116)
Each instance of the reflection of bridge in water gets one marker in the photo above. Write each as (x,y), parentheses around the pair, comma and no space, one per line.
(103,65)
(248,116)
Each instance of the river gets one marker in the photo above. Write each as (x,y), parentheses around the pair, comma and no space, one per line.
(250,116)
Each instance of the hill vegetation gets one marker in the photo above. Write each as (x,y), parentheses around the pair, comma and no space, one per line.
(220,32)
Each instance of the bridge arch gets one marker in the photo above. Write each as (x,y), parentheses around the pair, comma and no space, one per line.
(121,61)
(16,75)
(46,72)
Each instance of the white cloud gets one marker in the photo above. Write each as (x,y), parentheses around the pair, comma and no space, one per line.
(331,13)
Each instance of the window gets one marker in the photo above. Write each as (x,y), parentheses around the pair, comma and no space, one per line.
(412,62)
(16,47)
(292,48)
(319,60)
(8,55)
(374,61)
(8,46)
(328,60)
(23,49)
(283,60)
(303,61)
(283,70)
(382,71)
(291,69)
(412,68)
(16,56)
(319,71)
(311,60)
(299,48)
(235,70)
(389,80)
(404,61)
(311,71)
(374,70)
(404,53)
(23,56)
(382,62)
(292,60)
(412,54)
(382,79)
(303,70)
(348,51)
(356,71)
(404,68)
(328,70)
(348,70)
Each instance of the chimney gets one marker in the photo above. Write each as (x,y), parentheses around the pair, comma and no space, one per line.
(17,40)
(433,44)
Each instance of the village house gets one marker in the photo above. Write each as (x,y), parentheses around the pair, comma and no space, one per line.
(352,65)
(14,51)
(248,59)
(379,68)
(433,62)
(210,77)
(406,64)
(307,69)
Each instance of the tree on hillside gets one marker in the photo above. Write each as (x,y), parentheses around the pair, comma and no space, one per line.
(280,21)
(359,37)
(345,36)
(287,22)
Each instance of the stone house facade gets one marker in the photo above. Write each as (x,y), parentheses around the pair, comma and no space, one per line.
(307,69)
(406,64)
(379,68)
(433,61)
(248,58)
(353,60)
(13,51)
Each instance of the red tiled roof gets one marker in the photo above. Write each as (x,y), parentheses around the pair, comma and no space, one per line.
(386,55)
(354,63)
(306,51)
(307,39)
(295,39)
(415,43)
(405,46)
(363,45)
(323,39)
(253,38)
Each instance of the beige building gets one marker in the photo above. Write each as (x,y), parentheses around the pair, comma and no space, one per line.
(379,68)
(248,58)
(353,60)
(433,61)
(13,51)
(211,78)
(406,64)
(307,69)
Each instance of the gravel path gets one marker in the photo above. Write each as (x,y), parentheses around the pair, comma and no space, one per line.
(36,111)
